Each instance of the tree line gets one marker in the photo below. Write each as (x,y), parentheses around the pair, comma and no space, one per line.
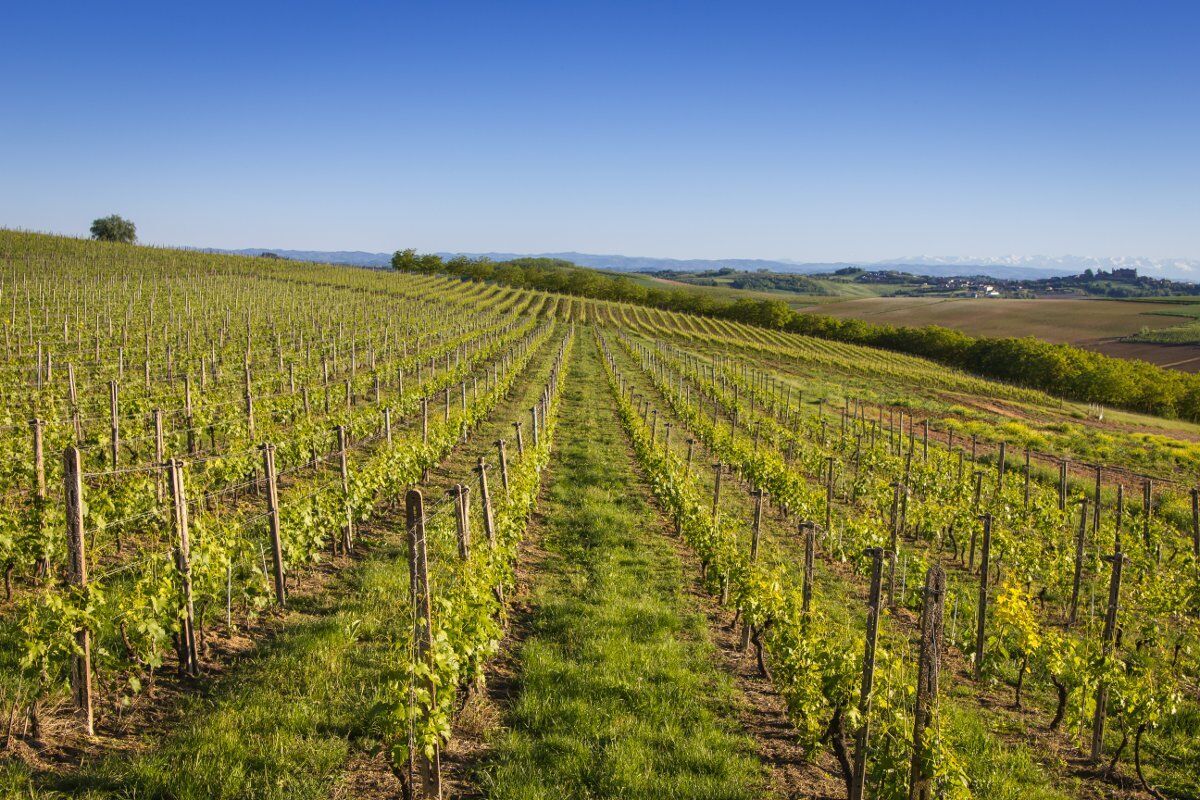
(1059,369)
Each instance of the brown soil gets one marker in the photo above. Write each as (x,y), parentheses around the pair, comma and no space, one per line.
(1182,357)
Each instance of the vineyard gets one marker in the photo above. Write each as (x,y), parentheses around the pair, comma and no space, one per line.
(278,529)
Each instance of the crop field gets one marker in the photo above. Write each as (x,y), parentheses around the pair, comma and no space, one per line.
(1093,324)
(284,530)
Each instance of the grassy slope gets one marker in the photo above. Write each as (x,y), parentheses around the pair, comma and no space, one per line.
(284,724)
(1002,768)
(618,696)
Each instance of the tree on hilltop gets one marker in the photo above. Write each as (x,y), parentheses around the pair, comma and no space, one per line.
(410,261)
(114,228)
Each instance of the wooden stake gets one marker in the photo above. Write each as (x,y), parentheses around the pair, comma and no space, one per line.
(718,468)
(920,783)
(485,499)
(115,426)
(981,621)
(1195,522)
(461,523)
(39,459)
(809,530)
(348,531)
(77,575)
(1080,538)
(862,736)
(1117,560)
(426,770)
(160,455)
(189,659)
(503,457)
(755,537)
(273,523)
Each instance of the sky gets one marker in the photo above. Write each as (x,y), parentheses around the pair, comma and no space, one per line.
(833,131)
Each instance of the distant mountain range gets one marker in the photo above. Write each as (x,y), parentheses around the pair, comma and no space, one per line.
(1007,267)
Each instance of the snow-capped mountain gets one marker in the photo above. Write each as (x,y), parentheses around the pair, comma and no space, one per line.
(1177,268)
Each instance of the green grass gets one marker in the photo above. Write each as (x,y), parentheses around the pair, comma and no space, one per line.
(995,767)
(284,727)
(618,695)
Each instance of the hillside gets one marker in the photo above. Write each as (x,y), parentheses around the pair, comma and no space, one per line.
(257,507)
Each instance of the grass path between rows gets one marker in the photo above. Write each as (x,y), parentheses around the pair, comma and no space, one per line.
(618,694)
(292,720)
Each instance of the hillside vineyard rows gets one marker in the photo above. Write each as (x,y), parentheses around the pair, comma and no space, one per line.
(275,529)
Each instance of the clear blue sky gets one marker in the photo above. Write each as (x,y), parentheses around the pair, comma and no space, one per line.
(805,131)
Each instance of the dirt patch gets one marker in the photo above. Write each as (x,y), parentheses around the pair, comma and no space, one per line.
(1182,357)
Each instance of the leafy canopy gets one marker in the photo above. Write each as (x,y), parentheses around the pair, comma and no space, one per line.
(114,228)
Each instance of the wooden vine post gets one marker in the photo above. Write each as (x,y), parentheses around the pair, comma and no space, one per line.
(1195,522)
(755,538)
(1026,498)
(39,459)
(189,658)
(462,525)
(1147,511)
(189,418)
(862,736)
(981,619)
(160,453)
(81,661)
(809,530)
(503,458)
(485,499)
(718,468)
(1080,540)
(1000,459)
(897,488)
(1063,466)
(520,439)
(920,784)
(1117,560)
(423,764)
(114,423)
(829,495)
(273,523)
(73,398)
(424,420)
(344,467)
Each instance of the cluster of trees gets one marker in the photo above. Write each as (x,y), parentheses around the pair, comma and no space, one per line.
(1059,369)
(114,228)
(760,280)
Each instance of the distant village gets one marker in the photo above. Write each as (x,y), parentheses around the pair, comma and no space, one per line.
(1090,283)
(1114,283)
